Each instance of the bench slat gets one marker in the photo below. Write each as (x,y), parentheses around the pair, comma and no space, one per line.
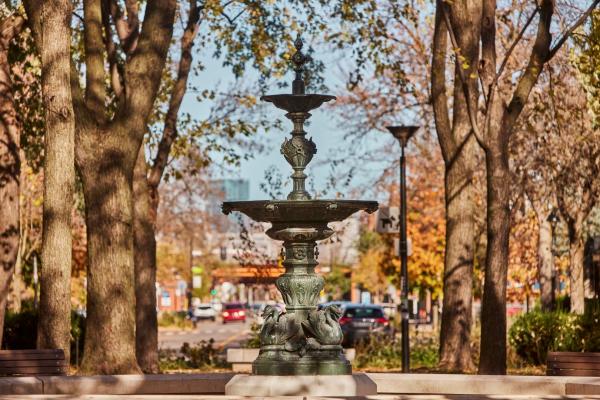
(573,359)
(8,355)
(573,365)
(559,355)
(32,363)
(31,351)
(573,372)
(33,357)
(569,363)
(33,370)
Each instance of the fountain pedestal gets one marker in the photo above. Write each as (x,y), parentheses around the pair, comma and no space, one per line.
(300,348)
(358,384)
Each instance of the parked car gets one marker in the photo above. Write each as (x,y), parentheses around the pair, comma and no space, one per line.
(233,312)
(205,311)
(360,321)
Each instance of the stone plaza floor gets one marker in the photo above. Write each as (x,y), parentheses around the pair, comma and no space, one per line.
(212,386)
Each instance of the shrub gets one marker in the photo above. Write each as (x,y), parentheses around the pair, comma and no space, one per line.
(379,352)
(253,341)
(176,319)
(589,331)
(20,330)
(385,352)
(202,356)
(536,333)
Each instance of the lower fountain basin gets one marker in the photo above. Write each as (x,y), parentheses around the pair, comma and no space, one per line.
(299,211)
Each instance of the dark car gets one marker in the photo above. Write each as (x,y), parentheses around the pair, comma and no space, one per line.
(233,312)
(360,321)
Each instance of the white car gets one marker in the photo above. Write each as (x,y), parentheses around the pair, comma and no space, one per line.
(205,311)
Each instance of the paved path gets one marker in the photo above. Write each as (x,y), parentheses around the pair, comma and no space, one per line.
(213,397)
(227,335)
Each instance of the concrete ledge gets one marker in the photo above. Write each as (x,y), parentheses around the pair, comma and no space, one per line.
(21,385)
(386,384)
(449,384)
(303,385)
(589,388)
(213,383)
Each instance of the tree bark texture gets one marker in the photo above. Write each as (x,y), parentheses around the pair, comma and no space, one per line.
(106,154)
(493,317)
(144,227)
(457,144)
(455,339)
(546,263)
(576,270)
(106,166)
(146,206)
(54,326)
(499,125)
(10,166)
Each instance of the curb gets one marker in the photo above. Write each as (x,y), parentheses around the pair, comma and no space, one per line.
(212,383)
(387,384)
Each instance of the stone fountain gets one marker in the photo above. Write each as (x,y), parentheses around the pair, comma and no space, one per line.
(300,341)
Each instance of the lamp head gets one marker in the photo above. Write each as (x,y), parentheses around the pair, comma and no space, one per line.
(403,132)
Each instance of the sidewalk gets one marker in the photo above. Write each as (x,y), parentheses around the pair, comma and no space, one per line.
(213,397)
(213,384)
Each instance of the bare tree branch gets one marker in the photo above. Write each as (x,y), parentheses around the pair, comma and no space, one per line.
(465,87)
(537,58)
(570,31)
(95,91)
(111,51)
(170,128)
(145,66)
(512,47)
(439,98)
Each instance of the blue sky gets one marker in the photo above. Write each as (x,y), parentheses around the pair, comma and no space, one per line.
(323,129)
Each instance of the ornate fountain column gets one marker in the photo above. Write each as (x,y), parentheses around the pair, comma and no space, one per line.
(301,340)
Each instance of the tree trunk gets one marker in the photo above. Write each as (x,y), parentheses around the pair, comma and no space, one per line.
(17,287)
(455,335)
(9,185)
(458,149)
(54,324)
(146,334)
(493,317)
(106,160)
(546,263)
(10,166)
(576,268)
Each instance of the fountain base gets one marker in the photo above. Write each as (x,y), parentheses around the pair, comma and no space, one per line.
(327,360)
(317,385)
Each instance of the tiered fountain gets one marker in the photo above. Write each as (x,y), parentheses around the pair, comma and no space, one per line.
(302,341)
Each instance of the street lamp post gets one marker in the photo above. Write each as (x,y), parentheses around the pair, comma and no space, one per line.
(554,219)
(403,134)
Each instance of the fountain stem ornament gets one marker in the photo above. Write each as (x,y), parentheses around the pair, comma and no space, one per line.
(301,340)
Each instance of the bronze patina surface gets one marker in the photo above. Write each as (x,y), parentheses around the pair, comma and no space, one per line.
(300,340)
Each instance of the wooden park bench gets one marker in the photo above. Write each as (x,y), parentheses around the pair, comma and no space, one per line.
(566,363)
(33,362)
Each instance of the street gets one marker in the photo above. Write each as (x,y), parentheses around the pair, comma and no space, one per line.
(228,335)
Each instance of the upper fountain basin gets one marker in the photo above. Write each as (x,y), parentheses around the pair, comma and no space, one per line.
(299,211)
(296,103)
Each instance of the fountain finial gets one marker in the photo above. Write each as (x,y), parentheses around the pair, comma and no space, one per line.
(299,59)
